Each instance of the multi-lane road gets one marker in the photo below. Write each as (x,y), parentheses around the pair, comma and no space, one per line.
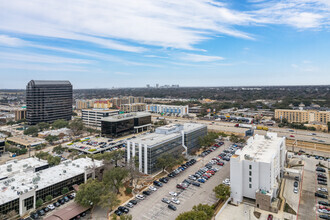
(297,134)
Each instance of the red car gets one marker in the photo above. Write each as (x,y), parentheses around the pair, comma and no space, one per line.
(270,217)
(180,186)
(220,163)
(292,136)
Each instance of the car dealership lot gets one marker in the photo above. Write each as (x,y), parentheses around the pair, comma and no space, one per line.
(153,208)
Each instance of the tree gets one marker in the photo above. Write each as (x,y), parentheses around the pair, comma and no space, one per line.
(60,123)
(108,200)
(65,190)
(126,217)
(49,198)
(208,210)
(33,130)
(115,177)
(168,161)
(39,203)
(192,215)
(43,125)
(89,193)
(77,126)
(51,138)
(58,149)
(52,161)
(116,156)
(222,191)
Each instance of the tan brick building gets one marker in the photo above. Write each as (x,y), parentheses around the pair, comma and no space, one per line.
(303,116)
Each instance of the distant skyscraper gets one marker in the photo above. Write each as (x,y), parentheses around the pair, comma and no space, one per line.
(157,85)
(47,101)
(148,86)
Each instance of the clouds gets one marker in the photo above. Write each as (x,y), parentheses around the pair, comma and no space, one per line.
(200,58)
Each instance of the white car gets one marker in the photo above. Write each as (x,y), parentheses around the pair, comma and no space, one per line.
(152,188)
(175,201)
(141,197)
(173,193)
(322,210)
(323,189)
(191,177)
(295,190)
(51,207)
(226,182)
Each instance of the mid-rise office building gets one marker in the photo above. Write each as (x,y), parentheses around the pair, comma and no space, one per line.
(2,146)
(303,116)
(20,114)
(92,117)
(256,170)
(24,182)
(48,101)
(168,109)
(170,139)
(134,107)
(123,124)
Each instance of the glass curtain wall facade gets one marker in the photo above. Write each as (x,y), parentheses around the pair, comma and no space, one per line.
(118,128)
(9,206)
(48,101)
(191,139)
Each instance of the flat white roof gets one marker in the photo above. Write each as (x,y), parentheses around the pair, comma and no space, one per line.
(20,166)
(28,181)
(261,148)
(156,138)
(121,117)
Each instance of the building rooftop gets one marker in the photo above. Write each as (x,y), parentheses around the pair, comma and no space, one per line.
(22,183)
(26,140)
(167,132)
(261,148)
(126,116)
(50,82)
(13,167)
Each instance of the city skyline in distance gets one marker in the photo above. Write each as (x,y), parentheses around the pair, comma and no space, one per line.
(191,43)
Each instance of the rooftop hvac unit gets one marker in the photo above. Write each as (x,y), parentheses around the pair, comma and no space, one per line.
(12,179)
(31,188)
(64,171)
(78,165)
(26,190)
(15,161)
(13,187)
(36,186)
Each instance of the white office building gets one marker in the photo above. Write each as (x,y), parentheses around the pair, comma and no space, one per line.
(92,117)
(168,109)
(173,139)
(256,170)
(24,182)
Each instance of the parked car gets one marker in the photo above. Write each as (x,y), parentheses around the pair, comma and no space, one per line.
(320,169)
(170,206)
(180,186)
(322,183)
(173,193)
(41,212)
(46,209)
(226,182)
(295,184)
(166,200)
(270,217)
(147,192)
(34,215)
(157,183)
(175,201)
(201,180)
(141,197)
(119,213)
(129,205)
(56,204)
(295,190)
(196,184)
(51,207)
(324,203)
(324,216)
(152,188)
(321,195)
(322,189)
(134,202)
(123,209)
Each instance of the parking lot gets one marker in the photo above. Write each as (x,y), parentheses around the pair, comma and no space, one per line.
(153,208)
(308,207)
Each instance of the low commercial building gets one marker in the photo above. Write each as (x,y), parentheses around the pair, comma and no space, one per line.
(123,124)
(134,107)
(92,117)
(172,139)
(25,140)
(179,110)
(303,116)
(197,110)
(21,191)
(256,170)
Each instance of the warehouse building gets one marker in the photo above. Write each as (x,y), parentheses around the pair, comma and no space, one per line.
(23,187)
(256,170)
(174,139)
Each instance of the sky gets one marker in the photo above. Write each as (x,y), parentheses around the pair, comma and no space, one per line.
(129,43)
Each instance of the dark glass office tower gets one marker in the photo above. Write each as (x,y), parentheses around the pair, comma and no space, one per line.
(47,101)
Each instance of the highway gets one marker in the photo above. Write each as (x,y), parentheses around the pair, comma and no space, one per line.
(297,134)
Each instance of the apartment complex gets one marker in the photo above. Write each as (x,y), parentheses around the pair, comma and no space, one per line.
(123,124)
(84,104)
(303,116)
(179,110)
(92,117)
(256,170)
(171,139)
(48,101)
(25,181)
(107,103)
(134,107)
